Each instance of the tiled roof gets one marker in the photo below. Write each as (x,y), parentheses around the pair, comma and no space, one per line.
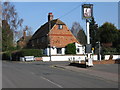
(62,41)
(26,39)
(61,38)
(44,29)
(58,37)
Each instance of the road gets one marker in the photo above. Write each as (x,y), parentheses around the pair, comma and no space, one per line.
(45,75)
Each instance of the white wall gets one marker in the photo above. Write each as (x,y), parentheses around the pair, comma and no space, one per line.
(54,51)
(94,57)
(63,51)
(46,58)
(114,57)
(67,58)
(80,47)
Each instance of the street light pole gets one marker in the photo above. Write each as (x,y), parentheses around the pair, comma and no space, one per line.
(99,57)
(49,40)
(99,51)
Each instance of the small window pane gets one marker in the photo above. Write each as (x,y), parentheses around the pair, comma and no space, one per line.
(60,26)
(78,50)
(59,50)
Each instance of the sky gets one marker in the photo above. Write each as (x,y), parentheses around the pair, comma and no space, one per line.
(119,15)
(35,13)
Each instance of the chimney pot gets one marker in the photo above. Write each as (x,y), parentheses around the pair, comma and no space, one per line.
(24,34)
(50,16)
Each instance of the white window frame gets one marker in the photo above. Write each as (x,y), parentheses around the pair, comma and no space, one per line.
(59,52)
(60,26)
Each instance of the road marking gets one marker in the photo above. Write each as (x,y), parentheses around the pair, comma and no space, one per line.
(52,82)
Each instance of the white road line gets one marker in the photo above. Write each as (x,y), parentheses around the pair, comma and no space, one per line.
(52,82)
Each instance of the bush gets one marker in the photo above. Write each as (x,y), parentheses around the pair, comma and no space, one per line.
(70,49)
(109,51)
(31,52)
(6,55)
(118,49)
(26,52)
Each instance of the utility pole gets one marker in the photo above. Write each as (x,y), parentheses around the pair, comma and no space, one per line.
(99,47)
(50,18)
(99,52)
(49,40)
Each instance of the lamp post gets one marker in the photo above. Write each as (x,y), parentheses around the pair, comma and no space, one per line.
(99,57)
(49,41)
(50,18)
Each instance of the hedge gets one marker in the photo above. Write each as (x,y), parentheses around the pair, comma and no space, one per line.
(26,52)
(110,51)
(70,49)
(6,55)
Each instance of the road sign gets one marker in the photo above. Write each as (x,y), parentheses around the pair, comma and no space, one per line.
(88,48)
(87,11)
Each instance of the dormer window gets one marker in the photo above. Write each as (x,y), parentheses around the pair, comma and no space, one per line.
(60,26)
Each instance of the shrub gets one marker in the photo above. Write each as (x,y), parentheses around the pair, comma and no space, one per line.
(109,51)
(70,49)
(118,49)
(26,52)
(31,52)
(6,55)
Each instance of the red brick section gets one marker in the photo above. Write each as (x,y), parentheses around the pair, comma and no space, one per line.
(38,58)
(107,44)
(61,37)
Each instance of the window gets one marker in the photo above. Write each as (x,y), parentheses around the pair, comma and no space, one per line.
(78,50)
(43,39)
(59,50)
(32,42)
(37,40)
(60,26)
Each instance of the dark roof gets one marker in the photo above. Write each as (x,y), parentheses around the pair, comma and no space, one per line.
(26,39)
(44,29)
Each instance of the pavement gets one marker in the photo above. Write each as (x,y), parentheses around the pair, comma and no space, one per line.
(56,75)
(105,71)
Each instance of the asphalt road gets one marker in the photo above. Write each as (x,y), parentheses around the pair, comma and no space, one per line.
(45,75)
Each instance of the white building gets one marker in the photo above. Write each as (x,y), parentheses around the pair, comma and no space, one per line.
(56,35)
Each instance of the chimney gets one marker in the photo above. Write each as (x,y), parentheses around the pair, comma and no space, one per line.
(50,16)
(24,34)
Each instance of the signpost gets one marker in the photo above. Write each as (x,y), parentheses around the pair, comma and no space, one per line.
(87,11)
(87,14)
(49,41)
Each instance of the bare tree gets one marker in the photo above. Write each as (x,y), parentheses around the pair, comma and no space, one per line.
(0,15)
(75,28)
(28,30)
(10,15)
(0,27)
